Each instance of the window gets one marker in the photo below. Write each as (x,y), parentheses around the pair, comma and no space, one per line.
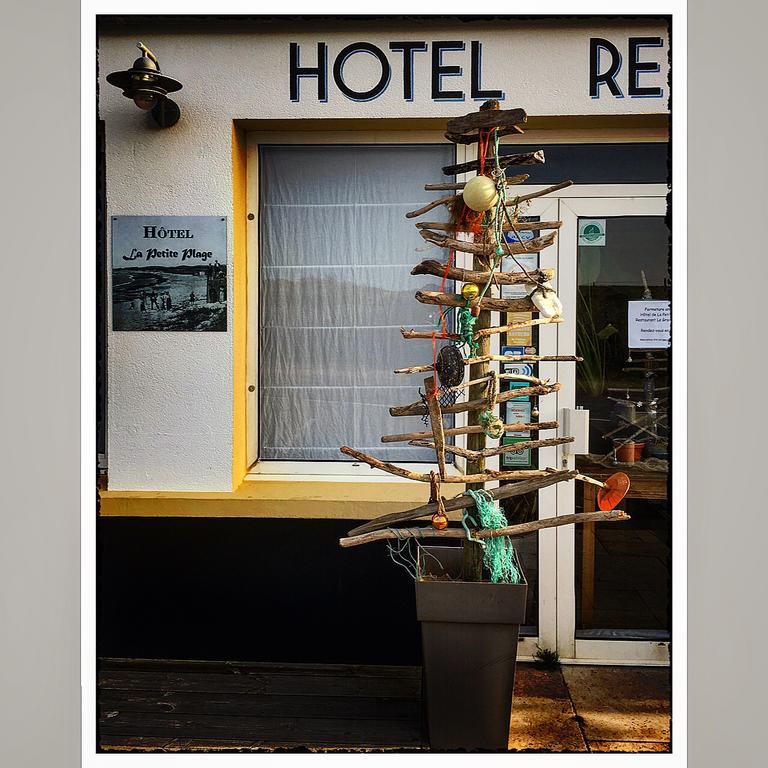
(335,253)
(639,163)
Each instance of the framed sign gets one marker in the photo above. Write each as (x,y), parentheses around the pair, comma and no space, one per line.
(649,324)
(169,273)
(519,459)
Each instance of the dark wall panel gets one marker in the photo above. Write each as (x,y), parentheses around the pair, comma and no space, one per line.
(250,590)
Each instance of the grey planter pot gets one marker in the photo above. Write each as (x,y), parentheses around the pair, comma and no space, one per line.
(469,634)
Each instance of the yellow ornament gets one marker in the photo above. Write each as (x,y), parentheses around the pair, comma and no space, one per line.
(470,291)
(480,194)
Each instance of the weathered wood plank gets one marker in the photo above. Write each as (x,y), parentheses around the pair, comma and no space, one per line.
(472,429)
(445,185)
(457,300)
(488,249)
(135,743)
(259,683)
(247,667)
(473,138)
(492,118)
(276,730)
(433,267)
(524,158)
(418,409)
(195,703)
(462,502)
(523,226)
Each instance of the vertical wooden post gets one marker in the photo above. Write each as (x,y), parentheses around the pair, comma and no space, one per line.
(473,552)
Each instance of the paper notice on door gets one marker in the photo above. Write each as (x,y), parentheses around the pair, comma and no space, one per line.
(650,324)
(523,261)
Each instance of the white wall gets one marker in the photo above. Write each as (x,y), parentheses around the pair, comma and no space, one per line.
(170,393)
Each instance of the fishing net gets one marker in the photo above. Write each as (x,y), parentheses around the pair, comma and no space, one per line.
(499,555)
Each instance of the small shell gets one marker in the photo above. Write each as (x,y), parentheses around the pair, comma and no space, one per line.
(545,299)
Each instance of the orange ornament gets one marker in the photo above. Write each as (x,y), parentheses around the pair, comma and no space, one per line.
(439,521)
(616,487)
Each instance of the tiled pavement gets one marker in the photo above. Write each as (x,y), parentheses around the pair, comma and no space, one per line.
(591,709)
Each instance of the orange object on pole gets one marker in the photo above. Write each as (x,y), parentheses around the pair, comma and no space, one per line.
(616,487)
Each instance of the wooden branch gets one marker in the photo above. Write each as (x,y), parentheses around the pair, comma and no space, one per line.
(533,195)
(419,409)
(434,267)
(429,206)
(464,501)
(527,358)
(414,334)
(526,158)
(446,185)
(471,138)
(457,300)
(522,529)
(523,445)
(474,429)
(504,376)
(436,422)
(501,359)
(491,118)
(488,249)
(483,477)
(518,324)
(590,480)
(523,226)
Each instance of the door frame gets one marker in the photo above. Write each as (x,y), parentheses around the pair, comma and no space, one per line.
(603,201)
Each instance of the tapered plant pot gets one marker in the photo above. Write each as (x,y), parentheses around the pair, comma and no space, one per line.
(469,634)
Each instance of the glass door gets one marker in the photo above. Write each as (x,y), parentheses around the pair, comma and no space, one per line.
(614,579)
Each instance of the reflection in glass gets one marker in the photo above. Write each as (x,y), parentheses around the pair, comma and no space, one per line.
(623,570)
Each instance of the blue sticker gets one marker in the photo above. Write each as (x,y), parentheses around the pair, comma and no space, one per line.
(525,235)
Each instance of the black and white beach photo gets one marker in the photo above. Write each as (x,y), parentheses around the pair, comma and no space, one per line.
(169,273)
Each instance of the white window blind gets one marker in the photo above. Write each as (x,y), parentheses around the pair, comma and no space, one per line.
(336,253)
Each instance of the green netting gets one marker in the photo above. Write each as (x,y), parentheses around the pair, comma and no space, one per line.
(498,553)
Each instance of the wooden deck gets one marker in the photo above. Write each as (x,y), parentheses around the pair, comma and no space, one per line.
(149,705)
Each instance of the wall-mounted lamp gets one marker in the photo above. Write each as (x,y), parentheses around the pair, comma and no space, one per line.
(149,87)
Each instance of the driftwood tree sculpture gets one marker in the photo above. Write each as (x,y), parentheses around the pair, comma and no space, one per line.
(482,211)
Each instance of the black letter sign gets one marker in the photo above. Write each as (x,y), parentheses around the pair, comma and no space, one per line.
(635,66)
(320,72)
(476,74)
(408,49)
(439,69)
(338,73)
(609,76)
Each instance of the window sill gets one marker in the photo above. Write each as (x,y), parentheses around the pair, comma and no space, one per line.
(279,496)
(333,472)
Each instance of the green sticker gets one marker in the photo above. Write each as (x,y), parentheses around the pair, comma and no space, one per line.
(591,231)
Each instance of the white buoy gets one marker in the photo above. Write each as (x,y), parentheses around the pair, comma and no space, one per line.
(480,194)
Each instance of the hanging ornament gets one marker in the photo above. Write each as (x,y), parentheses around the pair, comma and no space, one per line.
(440,518)
(450,366)
(439,521)
(535,411)
(491,424)
(545,299)
(480,194)
(470,291)
(616,487)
